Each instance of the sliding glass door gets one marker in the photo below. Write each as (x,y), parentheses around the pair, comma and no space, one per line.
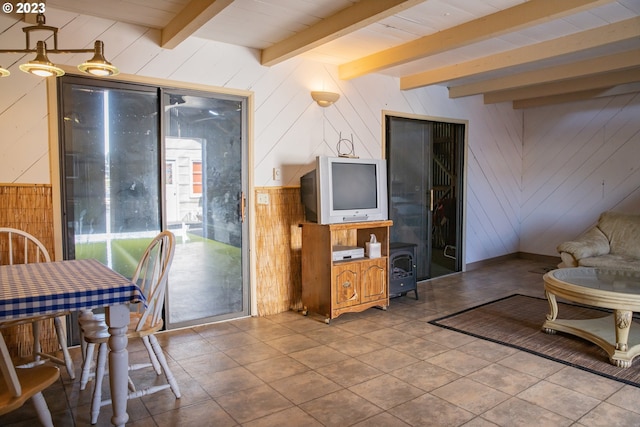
(424,161)
(203,153)
(138,159)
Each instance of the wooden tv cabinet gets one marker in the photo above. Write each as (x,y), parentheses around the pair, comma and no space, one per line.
(331,288)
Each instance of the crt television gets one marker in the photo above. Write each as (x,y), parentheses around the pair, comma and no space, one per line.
(345,189)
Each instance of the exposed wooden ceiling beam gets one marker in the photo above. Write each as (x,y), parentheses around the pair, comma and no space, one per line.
(341,23)
(577,96)
(189,20)
(598,81)
(598,37)
(524,15)
(615,62)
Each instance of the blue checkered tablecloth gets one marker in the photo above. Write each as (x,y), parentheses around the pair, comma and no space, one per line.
(50,287)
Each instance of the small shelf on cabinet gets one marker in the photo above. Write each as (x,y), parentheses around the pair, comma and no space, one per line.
(331,288)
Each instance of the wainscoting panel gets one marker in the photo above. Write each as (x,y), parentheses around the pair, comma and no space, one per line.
(278,250)
(28,208)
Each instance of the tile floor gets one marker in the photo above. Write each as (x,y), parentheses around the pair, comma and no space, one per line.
(375,368)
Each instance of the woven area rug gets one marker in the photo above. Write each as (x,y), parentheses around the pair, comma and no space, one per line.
(516,321)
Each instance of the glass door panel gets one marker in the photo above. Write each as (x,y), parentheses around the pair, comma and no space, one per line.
(408,156)
(425,164)
(110,172)
(203,151)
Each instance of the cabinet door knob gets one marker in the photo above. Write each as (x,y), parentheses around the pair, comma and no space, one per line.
(346,284)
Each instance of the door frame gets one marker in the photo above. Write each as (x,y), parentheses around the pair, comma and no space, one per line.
(54,162)
(464,171)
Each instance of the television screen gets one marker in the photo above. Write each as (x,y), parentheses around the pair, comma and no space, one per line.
(354,186)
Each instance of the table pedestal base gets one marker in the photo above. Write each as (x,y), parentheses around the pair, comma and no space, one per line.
(602,332)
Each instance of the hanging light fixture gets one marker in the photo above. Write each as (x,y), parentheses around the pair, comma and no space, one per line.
(41,66)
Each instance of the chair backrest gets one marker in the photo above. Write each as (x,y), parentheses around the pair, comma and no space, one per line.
(20,247)
(151,276)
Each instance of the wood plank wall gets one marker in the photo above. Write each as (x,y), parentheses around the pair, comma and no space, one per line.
(28,208)
(278,250)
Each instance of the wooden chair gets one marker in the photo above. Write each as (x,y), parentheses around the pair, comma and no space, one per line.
(19,385)
(20,247)
(145,320)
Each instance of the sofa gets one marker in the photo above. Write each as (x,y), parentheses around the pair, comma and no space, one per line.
(613,243)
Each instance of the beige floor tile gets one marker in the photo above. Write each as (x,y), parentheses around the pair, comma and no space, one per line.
(340,409)
(327,334)
(355,346)
(627,397)
(231,380)
(386,391)
(528,363)
(425,375)
(200,366)
(253,403)
(289,417)
(252,353)
(607,415)
(270,331)
(561,400)
(449,339)
(504,379)
(384,419)
(479,422)
(458,362)
(203,414)
(317,357)
(487,350)
(519,413)
(420,348)
(470,395)
(387,359)
(585,382)
(291,343)
(300,388)
(388,336)
(276,368)
(349,372)
(428,410)
(233,340)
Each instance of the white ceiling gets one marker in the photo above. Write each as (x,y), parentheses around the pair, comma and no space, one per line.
(317,30)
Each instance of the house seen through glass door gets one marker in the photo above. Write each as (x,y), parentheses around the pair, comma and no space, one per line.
(138,159)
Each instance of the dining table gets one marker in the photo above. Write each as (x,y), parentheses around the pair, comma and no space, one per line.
(29,290)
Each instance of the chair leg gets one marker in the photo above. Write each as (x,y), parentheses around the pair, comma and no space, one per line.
(163,362)
(62,339)
(96,401)
(152,356)
(37,349)
(86,365)
(44,415)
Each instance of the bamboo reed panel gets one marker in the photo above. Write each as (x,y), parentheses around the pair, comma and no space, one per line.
(29,208)
(278,251)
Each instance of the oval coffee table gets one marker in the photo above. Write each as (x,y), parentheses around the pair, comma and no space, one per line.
(617,290)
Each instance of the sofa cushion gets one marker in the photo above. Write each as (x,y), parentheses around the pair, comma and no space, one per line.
(623,233)
(611,261)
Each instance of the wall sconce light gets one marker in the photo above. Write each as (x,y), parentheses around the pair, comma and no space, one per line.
(41,66)
(324,99)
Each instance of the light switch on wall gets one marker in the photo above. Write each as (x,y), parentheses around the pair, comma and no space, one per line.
(277,174)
